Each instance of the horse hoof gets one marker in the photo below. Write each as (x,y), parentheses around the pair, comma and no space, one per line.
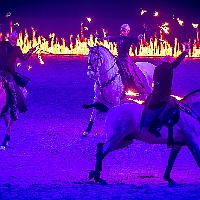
(171,182)
(96,176)
(103,182)
(3,148)
(85,134)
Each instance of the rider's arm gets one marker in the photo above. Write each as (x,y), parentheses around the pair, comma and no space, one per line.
(178,60)
(26,56)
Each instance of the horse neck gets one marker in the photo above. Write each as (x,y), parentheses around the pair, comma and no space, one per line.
(109,67)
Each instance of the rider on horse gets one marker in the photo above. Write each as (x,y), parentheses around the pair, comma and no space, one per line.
(160,108)
(9,52)
(130,74)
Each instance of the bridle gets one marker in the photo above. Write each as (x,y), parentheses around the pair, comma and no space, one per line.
(94,69)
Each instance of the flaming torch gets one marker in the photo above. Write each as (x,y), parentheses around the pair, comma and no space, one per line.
(156,14)
(197,31)
(181,23)
(88,19)
(142,12)
(164,28)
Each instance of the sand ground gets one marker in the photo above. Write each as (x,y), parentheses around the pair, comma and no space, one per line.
(47,159)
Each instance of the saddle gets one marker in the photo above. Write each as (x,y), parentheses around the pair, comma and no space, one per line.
(166,115)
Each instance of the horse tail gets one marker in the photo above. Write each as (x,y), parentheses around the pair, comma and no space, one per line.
(97,105)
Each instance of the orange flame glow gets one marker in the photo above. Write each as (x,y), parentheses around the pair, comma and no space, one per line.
(40,59)
(131,93)
(156,14)
(165,27)
(177,97)
(143,11)
(195,25)
(180,22)
(89,19)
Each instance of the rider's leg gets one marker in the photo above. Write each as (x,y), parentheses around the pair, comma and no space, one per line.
(12,100)
(156,127)
(170,118)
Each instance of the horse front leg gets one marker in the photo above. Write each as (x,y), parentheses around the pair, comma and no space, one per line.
(118,134)
(173,154)
(100,155)
(91,122)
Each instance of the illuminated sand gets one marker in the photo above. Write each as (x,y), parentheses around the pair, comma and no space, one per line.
(48,160)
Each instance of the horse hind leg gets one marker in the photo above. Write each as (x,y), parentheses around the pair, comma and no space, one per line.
(173,154)
(98,165)
(195,150)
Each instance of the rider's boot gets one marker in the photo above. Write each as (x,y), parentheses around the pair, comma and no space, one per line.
(155,128)
(13,101)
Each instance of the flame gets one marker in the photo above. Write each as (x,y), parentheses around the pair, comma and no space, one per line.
(143,11)
(180,22)
(131,93)
(165,27)
(195,25)
(53,45)
(16,24)
(138,101)
(156,14)
(8,14)
(40,59)
(88,19)
(177,97)
(18,64)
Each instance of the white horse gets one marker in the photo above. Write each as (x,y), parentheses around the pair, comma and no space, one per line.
(108,87)
(123,126)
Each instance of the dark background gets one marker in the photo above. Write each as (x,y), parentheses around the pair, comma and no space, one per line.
(63,17)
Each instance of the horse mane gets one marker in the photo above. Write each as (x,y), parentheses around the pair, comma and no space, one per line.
(105,48)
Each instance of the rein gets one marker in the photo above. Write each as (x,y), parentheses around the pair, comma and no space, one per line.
(93,69)
(185,108)
(108,82)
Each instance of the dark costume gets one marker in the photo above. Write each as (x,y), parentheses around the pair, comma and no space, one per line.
(132,77)
(160,104)
(8,56)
